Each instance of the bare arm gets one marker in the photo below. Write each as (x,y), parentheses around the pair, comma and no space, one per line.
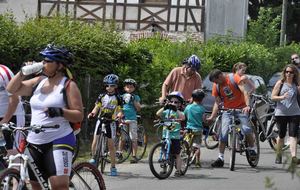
(137,106)
(12,105)
(275,92)
(75,111)
(19,87)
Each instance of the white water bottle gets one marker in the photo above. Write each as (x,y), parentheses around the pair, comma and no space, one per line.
(35,67)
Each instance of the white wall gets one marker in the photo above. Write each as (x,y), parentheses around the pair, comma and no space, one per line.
(20,8)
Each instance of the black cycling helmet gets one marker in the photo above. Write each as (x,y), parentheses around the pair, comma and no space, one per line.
(111,79)
(130,81)
(198,94)
(59,54)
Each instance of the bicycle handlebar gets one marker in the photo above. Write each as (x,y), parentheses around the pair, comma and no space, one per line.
(35,128)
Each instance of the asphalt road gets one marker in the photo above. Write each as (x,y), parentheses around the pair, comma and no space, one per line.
(139,177)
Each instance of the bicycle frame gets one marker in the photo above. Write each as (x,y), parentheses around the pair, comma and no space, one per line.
(167,140)
(27,161)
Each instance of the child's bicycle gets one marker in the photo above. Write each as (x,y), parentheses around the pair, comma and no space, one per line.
(83,176)
(161,161)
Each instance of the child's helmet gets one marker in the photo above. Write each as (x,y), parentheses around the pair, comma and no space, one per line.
(111,79)
(194,62)
(177,95)
(130,81)
(198,94)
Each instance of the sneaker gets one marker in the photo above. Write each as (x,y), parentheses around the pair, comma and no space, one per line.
(198,165)
(133,160)
(252,155)
(278,159)
(119,155)
(295,160)
(178,173)
(218,163)
(92,161)
(113,171)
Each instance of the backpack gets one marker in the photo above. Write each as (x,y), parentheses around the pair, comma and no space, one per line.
(75,126)
(231,78)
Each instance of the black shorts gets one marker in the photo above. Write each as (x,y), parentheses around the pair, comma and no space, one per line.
(54,158)
(110,128)
(175,146)
(291,121)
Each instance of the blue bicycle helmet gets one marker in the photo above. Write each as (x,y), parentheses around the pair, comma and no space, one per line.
(194,62)
(177,95)
(59,54)
(111,79)
(130,81)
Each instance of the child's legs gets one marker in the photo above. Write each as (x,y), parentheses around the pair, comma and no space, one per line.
(95,136)
(111,134)
(112,151)
(175,150)
(197,140)
(133,135)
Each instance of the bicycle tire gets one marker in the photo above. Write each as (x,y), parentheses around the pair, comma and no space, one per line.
(86,176)
(98,151)
(253,163)
(273,137)
(76,148)
(233,148)
(142,142)
(104,153)
(6,179)
(160,168)
(185,156)
(126,147)
(211,138)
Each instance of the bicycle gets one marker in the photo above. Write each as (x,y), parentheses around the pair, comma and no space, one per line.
(83,176)
(142,140)
(211,138)
(161,161)
(237,139)
(260,120)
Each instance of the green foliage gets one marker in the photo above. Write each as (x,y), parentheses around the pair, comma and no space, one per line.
(265,30)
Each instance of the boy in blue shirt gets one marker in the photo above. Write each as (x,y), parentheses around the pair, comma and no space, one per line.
(171,111)
(131,105)
(194,113)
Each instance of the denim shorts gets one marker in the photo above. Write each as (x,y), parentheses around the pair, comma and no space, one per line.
(226,122)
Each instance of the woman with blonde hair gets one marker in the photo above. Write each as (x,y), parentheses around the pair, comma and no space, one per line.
(240,69)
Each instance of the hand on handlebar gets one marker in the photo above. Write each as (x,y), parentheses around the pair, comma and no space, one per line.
(91,115)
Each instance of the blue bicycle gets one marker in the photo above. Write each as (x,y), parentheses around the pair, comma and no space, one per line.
(161,161)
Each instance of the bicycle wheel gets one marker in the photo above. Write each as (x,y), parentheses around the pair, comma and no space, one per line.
(185,156)
(232,148)
(141,142)
(10,179)
(76,148)
(211,138)
(86,176)
(254,161)
(160,166)
(273,134)
(123,143)
(104,153)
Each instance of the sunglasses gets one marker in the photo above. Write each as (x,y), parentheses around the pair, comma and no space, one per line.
(291,72)
(295,58)
(174,102)
(48,61)
(111,85)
